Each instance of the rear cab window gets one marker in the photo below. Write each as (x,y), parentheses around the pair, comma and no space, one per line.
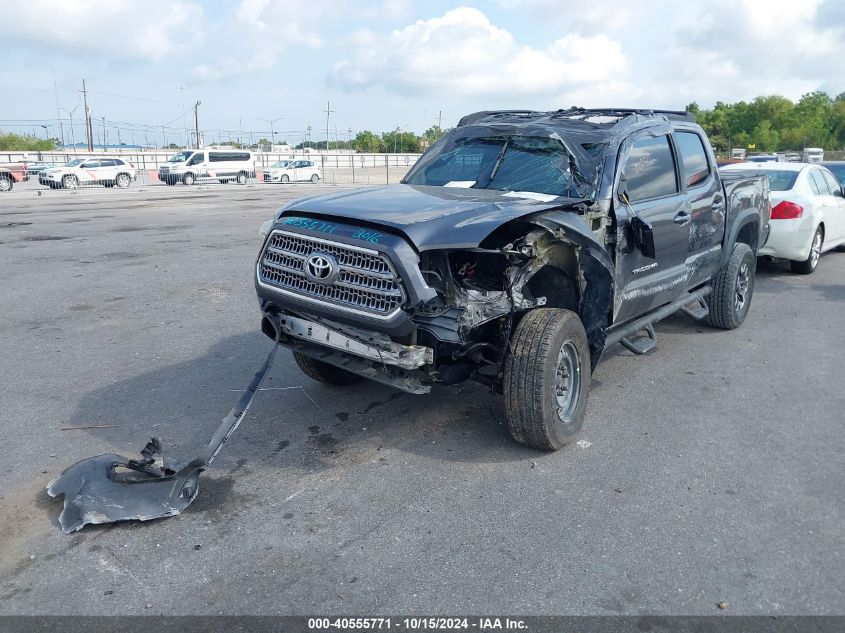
(650,169)
(695,168)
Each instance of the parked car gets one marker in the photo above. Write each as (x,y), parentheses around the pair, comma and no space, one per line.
(275,170)
(293,171)
(37,166)
(837,168)
(517,249)
(763,158)
(189,166)
(808,211)
(10,174)
(110,172)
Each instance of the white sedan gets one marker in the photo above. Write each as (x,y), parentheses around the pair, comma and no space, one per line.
(808,211)
(293,171)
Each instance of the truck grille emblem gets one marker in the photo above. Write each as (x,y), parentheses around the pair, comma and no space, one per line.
(322,268)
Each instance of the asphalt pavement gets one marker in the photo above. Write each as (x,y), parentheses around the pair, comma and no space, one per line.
(709,470)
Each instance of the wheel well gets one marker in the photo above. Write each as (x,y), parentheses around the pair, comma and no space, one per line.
(749,234)
(558,287)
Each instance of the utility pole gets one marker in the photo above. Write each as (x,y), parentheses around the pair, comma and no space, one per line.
(58,113)
(89,132)
(328,112)
(105,139)
(164,137)
(184,122)
(197,122)
(440,124)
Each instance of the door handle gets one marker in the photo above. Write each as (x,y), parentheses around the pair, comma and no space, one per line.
(682,218)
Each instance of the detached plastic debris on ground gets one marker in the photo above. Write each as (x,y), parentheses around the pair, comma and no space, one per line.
(109,488)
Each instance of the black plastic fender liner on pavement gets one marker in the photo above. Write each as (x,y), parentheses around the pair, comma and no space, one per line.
(110,487)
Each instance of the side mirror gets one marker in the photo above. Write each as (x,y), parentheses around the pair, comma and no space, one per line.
(643,236)
(839,193)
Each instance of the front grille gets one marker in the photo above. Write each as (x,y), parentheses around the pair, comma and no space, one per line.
(366,281)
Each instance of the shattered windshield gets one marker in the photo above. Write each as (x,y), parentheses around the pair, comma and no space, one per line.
(505,163)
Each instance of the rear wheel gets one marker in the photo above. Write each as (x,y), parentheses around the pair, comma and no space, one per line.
(241,179)
(733,288)
(323,372)
(315,178)
(188,179)
(808,266)
(547,379)
(5,183)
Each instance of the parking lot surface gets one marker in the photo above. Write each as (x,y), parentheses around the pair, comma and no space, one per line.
(709,470)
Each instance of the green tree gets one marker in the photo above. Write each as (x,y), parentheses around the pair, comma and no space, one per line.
(25,143)
(367,142)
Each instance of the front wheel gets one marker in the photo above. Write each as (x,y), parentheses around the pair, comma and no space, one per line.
(5,183)
(547,379)
(70,182)
(808,266)
(188,179)
(284,178)
(323,372)
(733,288)
(241,179)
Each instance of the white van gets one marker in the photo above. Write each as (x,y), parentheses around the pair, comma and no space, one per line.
(191,165)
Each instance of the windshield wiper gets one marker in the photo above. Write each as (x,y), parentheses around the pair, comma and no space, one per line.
(499,160)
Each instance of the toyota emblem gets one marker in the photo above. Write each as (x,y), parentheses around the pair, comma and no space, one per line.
(322,268)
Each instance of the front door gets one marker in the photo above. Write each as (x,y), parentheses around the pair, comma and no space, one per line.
(650,178)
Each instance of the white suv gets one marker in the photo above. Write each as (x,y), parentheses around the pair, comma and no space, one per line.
(111,172)
(293,171)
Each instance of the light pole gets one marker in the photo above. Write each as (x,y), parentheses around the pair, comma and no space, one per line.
(272,132)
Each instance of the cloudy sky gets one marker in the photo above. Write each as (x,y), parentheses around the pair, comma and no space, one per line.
(396,63)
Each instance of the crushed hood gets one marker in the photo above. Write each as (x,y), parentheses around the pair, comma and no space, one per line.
(431,217)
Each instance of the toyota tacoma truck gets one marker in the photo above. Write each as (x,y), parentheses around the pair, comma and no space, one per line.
(516,250)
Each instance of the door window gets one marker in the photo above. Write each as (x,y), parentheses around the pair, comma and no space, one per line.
(693,158)
(832,183)
(650,169)
(197,158)
(817,183)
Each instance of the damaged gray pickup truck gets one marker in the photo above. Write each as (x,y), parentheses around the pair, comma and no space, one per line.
(519,247)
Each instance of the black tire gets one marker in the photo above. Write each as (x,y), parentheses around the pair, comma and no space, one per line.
(188,179)
(284,178)
(6,183)
(733,288)
(315,178)
(241,179)
(323,372)
(808,266)
(69,181)
(532,370)
(123,181)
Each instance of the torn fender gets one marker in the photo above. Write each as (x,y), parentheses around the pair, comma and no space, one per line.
(595,274)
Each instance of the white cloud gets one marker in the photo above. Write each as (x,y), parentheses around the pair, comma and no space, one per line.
(119,29)
(463,53)
(260,35)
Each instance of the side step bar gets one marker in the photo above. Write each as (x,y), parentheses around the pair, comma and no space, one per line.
(643,344)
